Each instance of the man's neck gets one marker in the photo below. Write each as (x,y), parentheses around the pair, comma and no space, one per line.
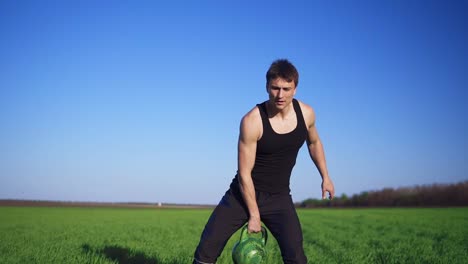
(284,113)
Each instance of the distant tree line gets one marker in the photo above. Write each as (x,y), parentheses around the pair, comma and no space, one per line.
(417,196)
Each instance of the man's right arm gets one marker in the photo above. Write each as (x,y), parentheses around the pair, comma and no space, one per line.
(247,146)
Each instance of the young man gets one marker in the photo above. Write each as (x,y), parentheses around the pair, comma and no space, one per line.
(271,135)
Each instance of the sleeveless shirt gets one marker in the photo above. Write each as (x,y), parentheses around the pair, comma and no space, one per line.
(276,153)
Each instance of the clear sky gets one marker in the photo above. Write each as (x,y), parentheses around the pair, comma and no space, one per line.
(141,100)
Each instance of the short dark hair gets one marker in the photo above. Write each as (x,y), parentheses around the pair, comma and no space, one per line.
(284,69)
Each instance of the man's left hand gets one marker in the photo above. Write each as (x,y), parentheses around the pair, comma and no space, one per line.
(327,186)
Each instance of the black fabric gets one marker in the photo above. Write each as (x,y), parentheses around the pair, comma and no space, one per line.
(276,154)
(277,213)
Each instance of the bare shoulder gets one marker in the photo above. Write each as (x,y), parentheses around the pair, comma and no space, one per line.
(251,124)
(252,116)
(308,113)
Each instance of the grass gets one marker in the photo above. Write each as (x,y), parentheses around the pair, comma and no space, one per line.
(169,236)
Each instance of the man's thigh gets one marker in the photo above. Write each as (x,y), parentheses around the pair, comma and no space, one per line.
(280,216)
(226,219)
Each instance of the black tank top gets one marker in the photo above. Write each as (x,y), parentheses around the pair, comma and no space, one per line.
(276,153)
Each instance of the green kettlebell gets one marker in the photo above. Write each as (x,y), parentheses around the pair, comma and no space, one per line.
(250,249)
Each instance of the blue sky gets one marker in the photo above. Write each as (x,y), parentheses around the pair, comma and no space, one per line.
(141,100)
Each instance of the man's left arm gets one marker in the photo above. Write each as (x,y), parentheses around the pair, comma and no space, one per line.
(317,153)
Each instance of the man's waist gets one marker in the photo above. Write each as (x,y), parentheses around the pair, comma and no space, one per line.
(271,185)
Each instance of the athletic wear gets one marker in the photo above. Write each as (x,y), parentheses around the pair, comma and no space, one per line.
(276,153)
(275,158)
(277,213)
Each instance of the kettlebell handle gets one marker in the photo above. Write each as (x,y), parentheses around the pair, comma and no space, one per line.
(245,233)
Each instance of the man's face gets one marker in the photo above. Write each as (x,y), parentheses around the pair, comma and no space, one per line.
(281,92)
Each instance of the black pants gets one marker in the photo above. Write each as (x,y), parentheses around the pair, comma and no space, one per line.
(277,212)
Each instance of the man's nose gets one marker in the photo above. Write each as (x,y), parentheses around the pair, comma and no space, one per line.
(280,93)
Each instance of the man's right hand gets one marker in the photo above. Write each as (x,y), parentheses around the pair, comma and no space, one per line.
(254,225)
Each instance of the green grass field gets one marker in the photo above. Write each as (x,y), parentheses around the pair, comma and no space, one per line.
(101,235)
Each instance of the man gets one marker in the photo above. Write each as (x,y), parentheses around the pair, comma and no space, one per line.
(271,135)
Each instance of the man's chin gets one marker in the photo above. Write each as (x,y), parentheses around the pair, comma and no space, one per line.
(281,105)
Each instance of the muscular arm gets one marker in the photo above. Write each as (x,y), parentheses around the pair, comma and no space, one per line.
(247,146)
(317,153)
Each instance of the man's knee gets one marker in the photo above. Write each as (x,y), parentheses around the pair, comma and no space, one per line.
(208,250)
(294,254)
(296,259)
